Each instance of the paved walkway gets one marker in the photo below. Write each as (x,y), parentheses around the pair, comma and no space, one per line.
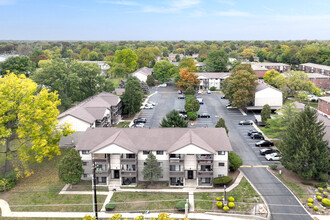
(191,201)
(107,200)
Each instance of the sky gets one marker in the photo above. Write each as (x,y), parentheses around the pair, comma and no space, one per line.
(114,20)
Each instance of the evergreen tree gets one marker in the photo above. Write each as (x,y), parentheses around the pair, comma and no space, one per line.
(173,119)
(190,91)
(265,113)
(70,167)
(303,148)
(150,80)
(132,98)
(192,104)
(222,124)
(151,171)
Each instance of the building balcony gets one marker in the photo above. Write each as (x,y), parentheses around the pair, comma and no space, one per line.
(174,161)
(102,172)
(176,173)
(204,174)
(128,173)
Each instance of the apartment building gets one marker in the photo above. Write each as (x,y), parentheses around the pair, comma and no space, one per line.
(315,68)
(211,79)
(187,156)
(262,68)
(320,80)
(143,73)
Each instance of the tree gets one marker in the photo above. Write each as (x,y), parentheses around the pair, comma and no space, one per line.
(187,79)
(93,56)
(295,82)
(190,91)
(151,170)
(248,52)
(17,65)
(217,61)
(240,88)
(150,81)
(118,70)
(235,161)
(70,167)
(84,54)
(265,113)
(164,70)
(251,58)
(132,98)
(173,119)
(145,56)
(28,117)
(270,76)
(304,151)
(127,57)
(192,104)
(246,67)
(188,63)
(222,124)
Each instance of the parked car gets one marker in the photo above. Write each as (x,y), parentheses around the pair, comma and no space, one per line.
(200,100)
(253,131)
(223,97)
(312,98)
(151,103)
(264,143)
(138,125)
(163,85)
(228,105)
(140,120)
(181,96)
(208,91)
(179,91)
(264,151)
(147,106)
(204,115)
(246,122)
(273,156)
(257,136)
(183,116)
(182,111)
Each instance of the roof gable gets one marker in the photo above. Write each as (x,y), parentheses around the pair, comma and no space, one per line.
(191,149)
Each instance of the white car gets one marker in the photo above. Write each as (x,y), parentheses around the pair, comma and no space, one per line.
(312,98)
(208,91)
(163,85)
(273,156)
(147,106)
(151,103)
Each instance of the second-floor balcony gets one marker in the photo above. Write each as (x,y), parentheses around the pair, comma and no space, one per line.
(201,173)
(176,173)
(128,159)
(128,173)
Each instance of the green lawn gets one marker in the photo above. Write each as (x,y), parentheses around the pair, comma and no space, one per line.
(122,124)
(42,188)
(130,201)
(115,81)
(243,194)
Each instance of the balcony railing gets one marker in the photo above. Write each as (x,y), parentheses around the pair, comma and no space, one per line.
(176,160)
(128,173)
(176,173)
(205,173)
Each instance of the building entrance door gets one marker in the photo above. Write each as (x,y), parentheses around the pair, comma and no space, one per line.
(116,174)
(190,174)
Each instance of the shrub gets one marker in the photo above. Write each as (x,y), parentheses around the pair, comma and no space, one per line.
(218,199)
(323,211)
(326,202)
(310,200)
(316,208)
(3,184)
(320,189)
(319,198)
(192,116)
(150,80)
(110,206)
(231,199)
(190,91)
(328,189)
(310,204)
(322,177)
(213,88)
(226,208)
(220,181)
(307,183)
(322,185)
(219,205)
(318,193)
(235,161)
(180,205)
(231,205)
(273,166)
(325,194)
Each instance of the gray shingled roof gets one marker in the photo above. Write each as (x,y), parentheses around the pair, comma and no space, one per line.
(145,71)
(325,98)
(214,75)
(93,107)
(169,139)
(262,85)
(258,67)
(318,66)
(317,75)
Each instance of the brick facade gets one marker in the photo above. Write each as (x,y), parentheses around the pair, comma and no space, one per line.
(315,68)
(321,81)
(324,105)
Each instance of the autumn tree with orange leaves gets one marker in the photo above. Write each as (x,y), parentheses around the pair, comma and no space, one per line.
(187,79)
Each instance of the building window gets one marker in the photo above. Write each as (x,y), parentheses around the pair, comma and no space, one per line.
(220,175)
(85,152)
(160,152)
(85,163)
(85,175)
(160,164)
(146,152)
(221,152)
(221,164)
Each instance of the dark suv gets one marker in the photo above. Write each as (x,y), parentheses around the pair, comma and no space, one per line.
(140,120)
(250,132)
(257,136)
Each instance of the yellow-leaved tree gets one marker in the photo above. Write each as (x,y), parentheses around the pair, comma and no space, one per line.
(29,129)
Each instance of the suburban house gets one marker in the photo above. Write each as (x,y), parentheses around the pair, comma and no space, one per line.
(320,80)
(199,65)
(172,56)
(315,68)
(211,79)
(101,110)
(104,66)
(266,94)
(324,105)
(187,156)
(262,68)
(143,73)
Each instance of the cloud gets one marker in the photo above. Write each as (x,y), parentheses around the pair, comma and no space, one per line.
(7,2)
(227,2)
(184,4)
(233,13)
(126,3)
(171,7)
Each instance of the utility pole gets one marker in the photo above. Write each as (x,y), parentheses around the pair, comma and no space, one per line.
(94,189)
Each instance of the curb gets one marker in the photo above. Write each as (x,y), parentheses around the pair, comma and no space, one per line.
(290,192)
